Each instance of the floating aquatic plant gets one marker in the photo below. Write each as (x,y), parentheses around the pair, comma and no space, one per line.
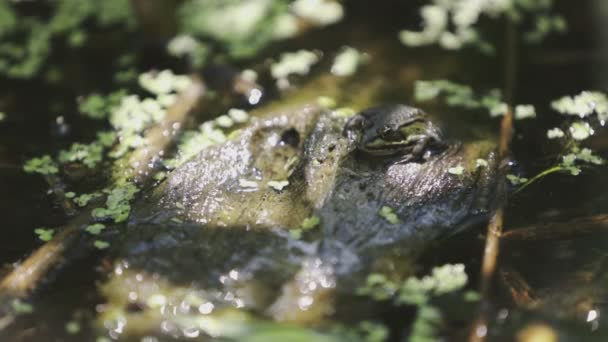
(453,23)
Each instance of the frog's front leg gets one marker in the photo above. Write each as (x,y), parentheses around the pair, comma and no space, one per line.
(420,144)
(416,152)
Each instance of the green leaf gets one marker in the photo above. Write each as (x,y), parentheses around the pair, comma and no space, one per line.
(100,244)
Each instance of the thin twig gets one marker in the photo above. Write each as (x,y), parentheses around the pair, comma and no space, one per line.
(28,274)
(495,226)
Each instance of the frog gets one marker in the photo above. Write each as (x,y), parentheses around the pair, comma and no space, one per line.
(394,130)
(217,235)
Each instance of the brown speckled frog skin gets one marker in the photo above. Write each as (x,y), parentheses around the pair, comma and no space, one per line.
(217,225)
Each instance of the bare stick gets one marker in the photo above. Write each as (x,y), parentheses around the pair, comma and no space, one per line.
(25,277)
(495,226)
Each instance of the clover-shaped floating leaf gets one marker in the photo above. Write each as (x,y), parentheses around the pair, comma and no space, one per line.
(100,244)
(44,234)
(43,165)
(457,170)
(95,228)
(389,214)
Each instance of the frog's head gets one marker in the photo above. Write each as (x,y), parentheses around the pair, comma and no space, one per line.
(391,130)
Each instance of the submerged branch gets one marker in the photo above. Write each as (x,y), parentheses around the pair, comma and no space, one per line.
(558,230)
(28,274)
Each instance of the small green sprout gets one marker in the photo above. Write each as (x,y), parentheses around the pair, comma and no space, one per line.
(310,222)
(248,184)
(459,95)
(580,130)
(343,112)
(346,62)
(159,176)
(97,106)
(192,142)
(472,296)
(555,133)
(2,116)
(418,291)
(378,287)
(70,194)
(452,23)
(524,112)
(20,307)
(298,62)
(100,244)
(319,12)
(249,75)
(106,139)
(428,321)
(43,165)
(389,215)
(89,154)
(163,82)
(373,332)
(224,121)
(44,234)
(95,228)
(278,185)
(583,105)
(84,199)
(456,170)
(515,180)
(238,115)
(327,102)
(307,224)
(189,47)
(72,327)
(117,203)
(479,162)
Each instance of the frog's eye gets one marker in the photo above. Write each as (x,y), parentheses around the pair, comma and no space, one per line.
(388,133)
